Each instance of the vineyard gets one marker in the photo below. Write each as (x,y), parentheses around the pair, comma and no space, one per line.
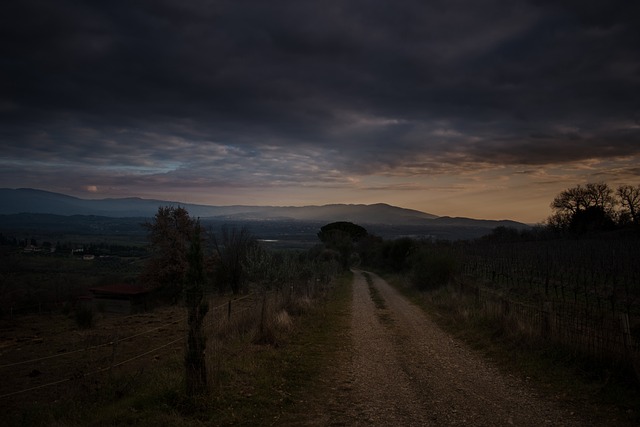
(582,293)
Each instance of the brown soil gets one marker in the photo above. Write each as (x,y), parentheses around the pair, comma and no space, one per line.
(399,368)
(45,358)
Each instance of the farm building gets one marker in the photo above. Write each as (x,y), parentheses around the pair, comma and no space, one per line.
(120,298)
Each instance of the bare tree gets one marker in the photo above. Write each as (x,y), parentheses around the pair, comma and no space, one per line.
(630,201)
(600,195)
(582,208)
(569,201)
(578,198)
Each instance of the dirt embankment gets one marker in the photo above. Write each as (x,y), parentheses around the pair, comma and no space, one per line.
(401,369)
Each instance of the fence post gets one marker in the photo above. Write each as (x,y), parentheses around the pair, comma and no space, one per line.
(546,318)
(113,354)
(505,306)
(263,313)
(626,330)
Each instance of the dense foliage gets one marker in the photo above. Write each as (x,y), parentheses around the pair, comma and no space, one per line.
(342,236)
(426,264)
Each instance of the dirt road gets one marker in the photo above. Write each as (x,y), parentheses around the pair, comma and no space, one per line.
(402,369)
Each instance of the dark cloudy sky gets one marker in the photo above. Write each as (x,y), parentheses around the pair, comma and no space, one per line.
(474,108)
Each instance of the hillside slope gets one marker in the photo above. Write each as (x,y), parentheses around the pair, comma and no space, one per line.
(391,220)
(26,200)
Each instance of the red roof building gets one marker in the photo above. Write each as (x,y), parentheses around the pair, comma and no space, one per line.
(120,298)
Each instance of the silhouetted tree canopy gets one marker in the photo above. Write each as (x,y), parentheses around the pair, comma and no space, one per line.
(353,231)
(589,208)
(593,218)
(630,201)
(341,237)
(581,209)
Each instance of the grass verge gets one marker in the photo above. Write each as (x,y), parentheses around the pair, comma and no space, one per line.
(608,392)
(272,385)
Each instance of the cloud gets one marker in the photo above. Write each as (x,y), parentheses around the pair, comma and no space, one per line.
(312,93)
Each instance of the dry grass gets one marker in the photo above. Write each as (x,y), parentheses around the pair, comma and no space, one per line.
(606,391)
(259,361)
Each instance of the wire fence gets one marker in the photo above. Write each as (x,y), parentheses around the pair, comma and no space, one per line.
(597,333)
(47,377)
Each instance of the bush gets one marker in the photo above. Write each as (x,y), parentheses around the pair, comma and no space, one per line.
(432,268)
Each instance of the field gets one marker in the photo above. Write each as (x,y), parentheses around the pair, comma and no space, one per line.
(51,358)
(47,357)
(46,282)
(583,294)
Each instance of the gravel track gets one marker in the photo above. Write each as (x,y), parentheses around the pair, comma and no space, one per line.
(403,370)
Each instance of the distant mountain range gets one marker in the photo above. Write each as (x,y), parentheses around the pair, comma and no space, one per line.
(32,201)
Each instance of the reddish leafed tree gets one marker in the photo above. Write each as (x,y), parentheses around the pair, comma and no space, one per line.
(169,235)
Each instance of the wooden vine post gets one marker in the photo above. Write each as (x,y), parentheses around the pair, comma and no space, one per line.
(197,308)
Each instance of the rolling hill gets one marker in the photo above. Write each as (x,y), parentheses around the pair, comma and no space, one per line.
(389,220)
(27,200)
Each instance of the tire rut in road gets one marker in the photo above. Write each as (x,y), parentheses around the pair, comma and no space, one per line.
(398,368)
(381,391)
(455,385)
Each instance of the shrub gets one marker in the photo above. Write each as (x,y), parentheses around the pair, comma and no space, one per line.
(432,267)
